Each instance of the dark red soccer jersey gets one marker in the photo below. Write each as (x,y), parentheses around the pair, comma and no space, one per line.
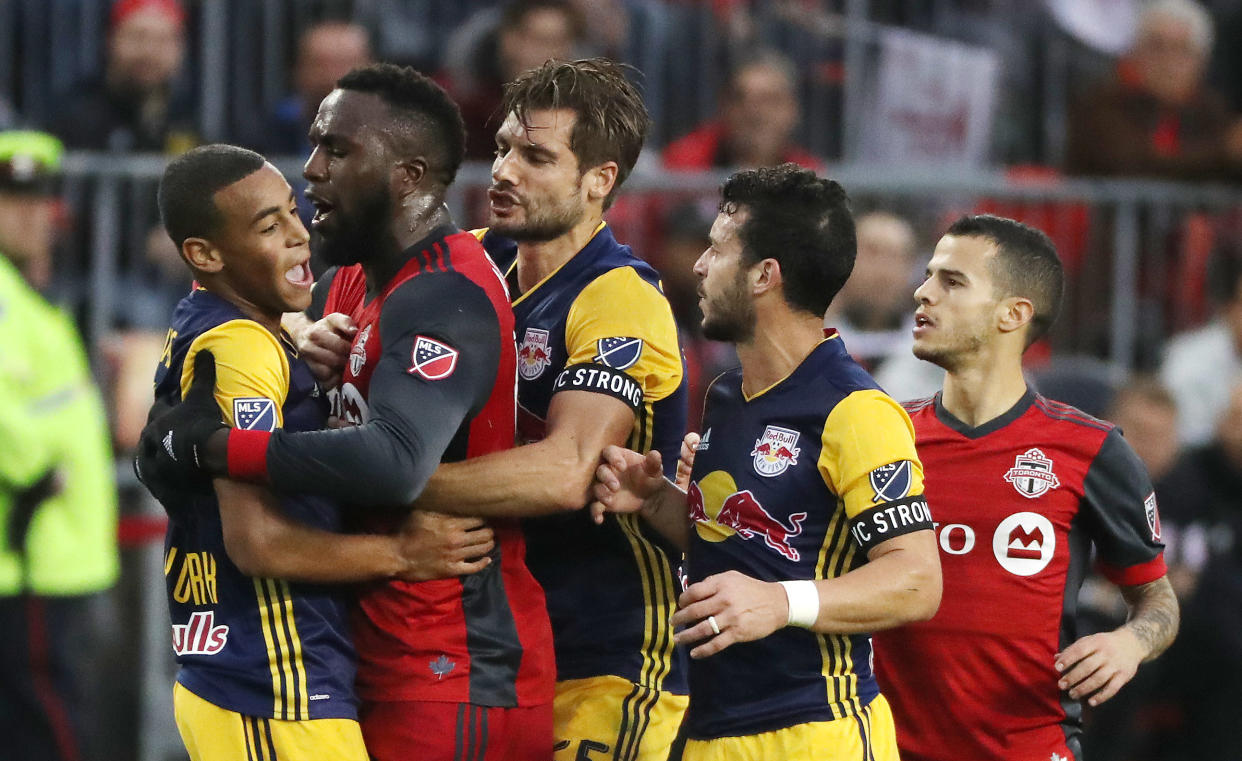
(485,638)
(1019,503)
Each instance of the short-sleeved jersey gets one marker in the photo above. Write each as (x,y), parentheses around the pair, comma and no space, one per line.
(1019,503)
(445,320)
(601,323)
(799,481)
(260,647)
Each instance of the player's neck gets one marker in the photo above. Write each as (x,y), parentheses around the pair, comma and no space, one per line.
(538,259)
(781,342)
(983,389)
(407,229)
(246,307)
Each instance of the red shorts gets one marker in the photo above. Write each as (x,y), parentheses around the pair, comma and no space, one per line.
(430,731)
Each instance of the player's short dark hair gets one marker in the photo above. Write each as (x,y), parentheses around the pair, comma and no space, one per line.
(418,100)
(187,190)
(803,222)
(1026,265)
(612,121)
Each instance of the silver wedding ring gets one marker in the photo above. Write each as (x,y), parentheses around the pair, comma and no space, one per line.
(711,621)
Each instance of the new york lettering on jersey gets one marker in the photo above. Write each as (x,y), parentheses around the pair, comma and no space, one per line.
(1019,501)
(600,323)
(476,639)
(243,643)
(796,482)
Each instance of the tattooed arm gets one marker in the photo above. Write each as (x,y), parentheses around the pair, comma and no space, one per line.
(1097,666)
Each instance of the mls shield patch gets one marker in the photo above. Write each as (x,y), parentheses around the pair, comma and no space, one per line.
(618,353)
(254,413)
(1153,516)
(891,482)
(432,359)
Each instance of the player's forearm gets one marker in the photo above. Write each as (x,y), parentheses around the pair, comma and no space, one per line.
(536,479)
(668,514)
(893,589)
(262,541)
(1154,616)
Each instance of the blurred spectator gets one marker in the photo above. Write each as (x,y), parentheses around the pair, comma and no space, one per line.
(874,311)
(1205,663)
(326,52)
(1200,366)
(492,48)
(1156,117)
(58,548)
(758,113)
(137,105)
(685,238)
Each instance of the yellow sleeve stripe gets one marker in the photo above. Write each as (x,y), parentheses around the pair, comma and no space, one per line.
(250,362)
(620,304)
(864,431)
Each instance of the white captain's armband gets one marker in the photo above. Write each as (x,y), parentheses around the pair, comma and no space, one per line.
(600,379)
(891,519)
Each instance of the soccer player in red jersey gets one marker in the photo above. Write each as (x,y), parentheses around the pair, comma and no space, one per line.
(448,669)
(1022,489)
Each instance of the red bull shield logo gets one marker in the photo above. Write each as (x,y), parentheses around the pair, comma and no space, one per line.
(775,451)
(534,355)
(719,511)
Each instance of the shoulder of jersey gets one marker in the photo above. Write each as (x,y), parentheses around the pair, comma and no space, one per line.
(918,405)
(1067,413)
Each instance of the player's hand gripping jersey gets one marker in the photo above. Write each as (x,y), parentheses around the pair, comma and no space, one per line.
(1020,501)
(600,323)
(258,647)
(799,481)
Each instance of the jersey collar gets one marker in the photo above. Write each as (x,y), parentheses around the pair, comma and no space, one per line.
(993,425)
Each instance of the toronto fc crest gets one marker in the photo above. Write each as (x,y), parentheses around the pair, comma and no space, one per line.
(1032,474)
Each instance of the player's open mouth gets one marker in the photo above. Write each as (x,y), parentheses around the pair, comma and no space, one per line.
(322,208)
(300,275)
(501,201)
(921,323)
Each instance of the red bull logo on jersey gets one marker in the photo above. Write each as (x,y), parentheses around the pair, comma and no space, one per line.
(719,511)
(534,355)
(775,451)
(358,352)
(200,636)
(1032,474)
(1024,543)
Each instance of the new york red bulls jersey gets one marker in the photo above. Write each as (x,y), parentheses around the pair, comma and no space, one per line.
(259,647)
(1019,504)
(600,323)
(799,481)
(483,638)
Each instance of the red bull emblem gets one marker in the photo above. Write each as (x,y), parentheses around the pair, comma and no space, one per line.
(775,451)
(534,355)
(742,514)
(200,635)
(358,353)
(1032,474)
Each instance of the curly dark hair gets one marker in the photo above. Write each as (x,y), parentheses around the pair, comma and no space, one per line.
(800,220)
(425,106)
(612,121)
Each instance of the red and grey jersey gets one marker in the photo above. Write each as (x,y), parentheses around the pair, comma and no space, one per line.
(430,379)
(1019,503)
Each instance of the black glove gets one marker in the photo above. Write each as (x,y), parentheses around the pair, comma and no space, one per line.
(24,504)
(170,451)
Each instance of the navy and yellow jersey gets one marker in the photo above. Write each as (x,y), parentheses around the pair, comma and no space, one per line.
(601,323)
(259,647)
(799,481)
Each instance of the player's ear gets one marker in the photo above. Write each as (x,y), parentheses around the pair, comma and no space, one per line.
(601,180)
(1015,313)
(201,255)
(765,275)
(407,175)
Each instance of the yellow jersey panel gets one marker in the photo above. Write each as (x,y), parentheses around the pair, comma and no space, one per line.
(250,365)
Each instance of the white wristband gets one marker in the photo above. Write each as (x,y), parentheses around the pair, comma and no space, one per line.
(803,603)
